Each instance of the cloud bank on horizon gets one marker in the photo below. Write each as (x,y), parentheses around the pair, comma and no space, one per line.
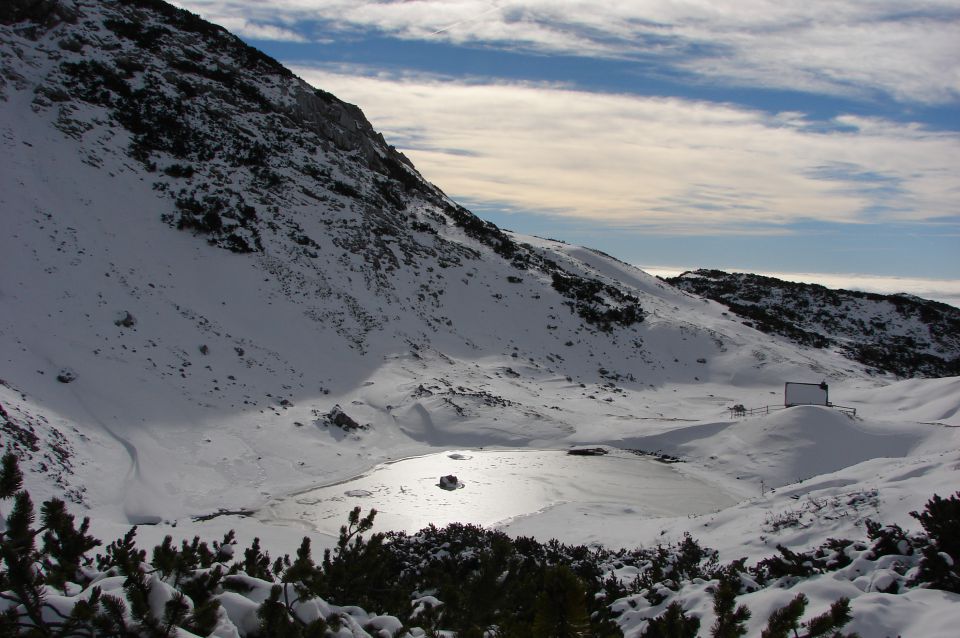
(673,118)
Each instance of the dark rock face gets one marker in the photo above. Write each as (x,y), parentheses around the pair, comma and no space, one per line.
(900,334)
(40,12)
(342,420)
(587,451)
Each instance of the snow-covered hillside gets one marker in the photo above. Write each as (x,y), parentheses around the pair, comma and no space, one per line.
(220,286)
(899,334)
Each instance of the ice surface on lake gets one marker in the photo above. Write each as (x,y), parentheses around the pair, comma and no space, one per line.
(499,486)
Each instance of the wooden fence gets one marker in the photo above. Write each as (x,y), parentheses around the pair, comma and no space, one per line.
(738,412)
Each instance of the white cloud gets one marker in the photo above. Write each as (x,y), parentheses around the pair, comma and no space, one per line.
(943,290)
(908,51)
(665,164)
(259,31)
(836,48)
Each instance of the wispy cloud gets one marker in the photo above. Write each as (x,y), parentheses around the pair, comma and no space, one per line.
(676,165)
(260,31)
(908,51)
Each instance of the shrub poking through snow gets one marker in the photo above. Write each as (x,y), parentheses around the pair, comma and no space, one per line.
(672,623)
(561,610)
(941,521)
(731,618)
(785,622)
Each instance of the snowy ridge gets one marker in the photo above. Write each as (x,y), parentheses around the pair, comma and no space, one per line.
(900,334)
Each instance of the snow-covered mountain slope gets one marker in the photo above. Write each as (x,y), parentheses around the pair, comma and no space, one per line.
(213,254)
(899,334)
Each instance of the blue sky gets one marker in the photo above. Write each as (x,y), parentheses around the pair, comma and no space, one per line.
(770,136)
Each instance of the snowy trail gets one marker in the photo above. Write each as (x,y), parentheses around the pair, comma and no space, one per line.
(133,488)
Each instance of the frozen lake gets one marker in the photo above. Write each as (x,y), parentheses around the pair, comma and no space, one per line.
(497,486)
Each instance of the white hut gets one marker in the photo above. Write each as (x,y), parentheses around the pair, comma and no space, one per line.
(805,394)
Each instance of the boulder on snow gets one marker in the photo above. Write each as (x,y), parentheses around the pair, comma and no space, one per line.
(587,451)
(342,420)
(125,319)
(449,482)
(66,375)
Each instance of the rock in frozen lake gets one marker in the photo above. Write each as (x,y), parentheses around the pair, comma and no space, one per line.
(449,482)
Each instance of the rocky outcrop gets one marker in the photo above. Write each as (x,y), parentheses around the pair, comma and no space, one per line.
(899,334)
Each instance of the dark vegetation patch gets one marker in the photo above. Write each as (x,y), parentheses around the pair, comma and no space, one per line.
(663,457)
(37,13)
(39,445)
(224,218)
(217,37)
(899,334)
(602,305)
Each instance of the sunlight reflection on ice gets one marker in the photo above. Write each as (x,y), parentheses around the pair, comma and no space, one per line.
(498,485)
